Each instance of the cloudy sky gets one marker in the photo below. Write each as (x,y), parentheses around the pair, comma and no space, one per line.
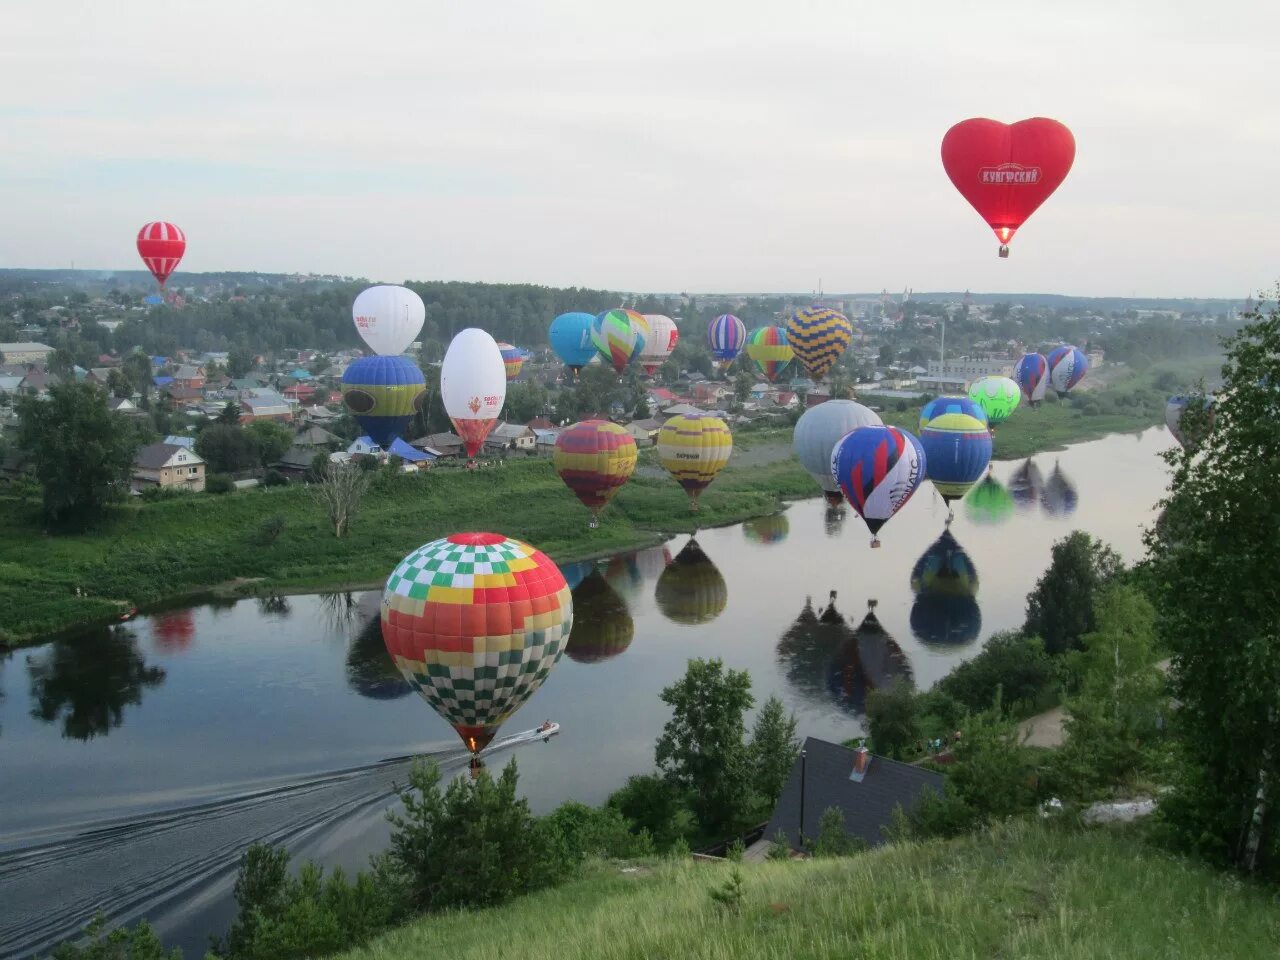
(697,145)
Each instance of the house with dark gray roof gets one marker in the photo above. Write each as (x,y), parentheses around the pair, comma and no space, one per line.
(866,788)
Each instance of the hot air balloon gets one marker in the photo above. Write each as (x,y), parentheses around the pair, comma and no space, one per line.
(997,397)
(619,336)
(383,394)
(473,386)
(1059,497)
(945,581)
(818,335)
(1032,375)
(957,446)
(570,338)
(767,530)
(818,431)
(660,343)
(989,503)
(768,349)
(940,404)
(1026,484)
(1007,170)
(694,450)
(1174,411)
(594,459)
(388,318)
(602,624)
(161,246)
(475,622)
(691,589)
(726,336)
(878,469)
(512,360)
(1067,367)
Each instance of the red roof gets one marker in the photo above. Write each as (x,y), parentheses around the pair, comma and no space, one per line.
(662,393)
(540,423)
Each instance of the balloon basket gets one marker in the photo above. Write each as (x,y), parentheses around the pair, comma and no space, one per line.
(1004,251)
(593,523)
(875,543)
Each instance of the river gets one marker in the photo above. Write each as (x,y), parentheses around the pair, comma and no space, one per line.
(137,761)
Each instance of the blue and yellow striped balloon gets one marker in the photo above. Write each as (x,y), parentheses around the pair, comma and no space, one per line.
(957,445)
(383,394)
(818,335)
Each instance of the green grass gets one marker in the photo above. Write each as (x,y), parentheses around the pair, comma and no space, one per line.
(1023,890)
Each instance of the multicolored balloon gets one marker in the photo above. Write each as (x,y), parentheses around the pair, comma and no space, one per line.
(619,336)
(768,349)
(1032,375)
(475,622)
(945,581)
(383,394)
(473,386)
(161,245)
(726,336)
(570,337)
(1174,411)
(660,343)
(767,530)
(602,624)
(512,360)
(997,397)
(691,590)
(818,335)
(941,404)
(878,469)
(1067,367)
(594,458)
(1007,170)
(388,318)
(957,445)
(694,450)
(818,431)
(989,503)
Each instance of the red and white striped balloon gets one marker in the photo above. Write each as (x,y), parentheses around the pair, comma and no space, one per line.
(161,246)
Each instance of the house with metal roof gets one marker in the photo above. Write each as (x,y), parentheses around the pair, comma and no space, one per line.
(167,465)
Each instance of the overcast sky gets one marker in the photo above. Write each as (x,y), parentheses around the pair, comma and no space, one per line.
(698,145)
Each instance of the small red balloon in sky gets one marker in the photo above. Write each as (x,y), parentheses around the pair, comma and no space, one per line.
(161,245)
(1007,170)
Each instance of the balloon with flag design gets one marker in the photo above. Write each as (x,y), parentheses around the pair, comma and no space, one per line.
(1032,375)
(818,335)
(383,394)
(473,386)
(878,469)
(768,349)
(726,336)
(161,245)
(1067,367)
(619,336)
(694,449)
(475,622)
(660,342)
(594,458)
(570,337)
(512,360)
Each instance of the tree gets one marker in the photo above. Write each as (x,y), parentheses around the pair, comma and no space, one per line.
(227,449)
(118,383)
(272,439)
(240,361)
(833,840)
(742,384)
(340,491)
(887,355)
(892,719)
(122,943)
(1012,668)
(774,748)
(230,414)
(1060,608)
(1213,555)
(137,367)
(701,750)
(82,452)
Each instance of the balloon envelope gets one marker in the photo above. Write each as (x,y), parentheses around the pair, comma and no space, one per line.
(570,338)
(691,589)
(1007,170)
(1067,367)
(997,397)
(660,343)
(768,349)
(512,360)
(1032,375)
(1174,411)
(594,459)
(878,469)
(388,318)
(818,335)
(161,245)
(818,431)
(383,394)
(726,336)
(957,446)
(619,336)
(694,450)
(475,622)
(473,386)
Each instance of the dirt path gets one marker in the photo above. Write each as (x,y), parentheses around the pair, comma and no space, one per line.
(1044,729)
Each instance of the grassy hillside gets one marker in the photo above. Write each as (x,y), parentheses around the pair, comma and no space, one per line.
(1021,891)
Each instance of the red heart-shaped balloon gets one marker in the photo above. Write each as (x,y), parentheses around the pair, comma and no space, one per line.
(1007,170)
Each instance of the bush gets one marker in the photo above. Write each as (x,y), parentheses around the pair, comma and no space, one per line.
(153,494)
(893,720)
(597,832)
(269,530)
(655,807)
(1013,669)
(832,839)
(274,478)
(218,483)
(123,943)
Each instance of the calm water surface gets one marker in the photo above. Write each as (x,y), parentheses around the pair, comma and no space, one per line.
(214,708)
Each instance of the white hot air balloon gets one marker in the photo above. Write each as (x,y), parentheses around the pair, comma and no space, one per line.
(661,342)
(817,432)
(473,386)
(388,318)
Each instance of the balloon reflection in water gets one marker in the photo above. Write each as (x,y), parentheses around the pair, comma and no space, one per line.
(989,503)
(1059,497)
(766,530)
(575,573)
(691,590)
(833,520)
(945,581)
(1025,485)
(174,630)
(808,645)
(370,670)
(628,573)
(602,624)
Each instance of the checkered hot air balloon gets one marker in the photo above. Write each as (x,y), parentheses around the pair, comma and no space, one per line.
(878,469)
(594,459)
(619,336)
(161,246)
(726,336)
(475,622)
(768,349)
(694,450)
(818,335)
(957,445)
